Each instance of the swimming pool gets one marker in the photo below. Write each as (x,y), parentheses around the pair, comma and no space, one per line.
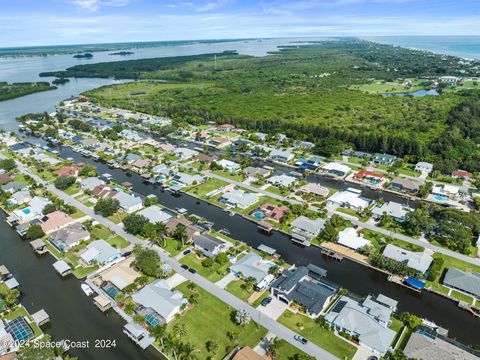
(440,198)
(259,215)
(26,211)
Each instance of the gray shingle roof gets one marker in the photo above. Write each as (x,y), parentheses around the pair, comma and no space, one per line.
(207,242)
(469,282)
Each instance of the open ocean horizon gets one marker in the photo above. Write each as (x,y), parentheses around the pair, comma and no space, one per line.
(462,46)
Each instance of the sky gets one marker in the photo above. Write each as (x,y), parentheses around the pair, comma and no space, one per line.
(58,22)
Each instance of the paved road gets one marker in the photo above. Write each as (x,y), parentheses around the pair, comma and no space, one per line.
(267,322)
(372,227)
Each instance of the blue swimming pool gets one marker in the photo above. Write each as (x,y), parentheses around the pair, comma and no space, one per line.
(26,211)
(440,198)
(259,215)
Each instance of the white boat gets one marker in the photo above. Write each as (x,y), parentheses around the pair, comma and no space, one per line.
(86,289)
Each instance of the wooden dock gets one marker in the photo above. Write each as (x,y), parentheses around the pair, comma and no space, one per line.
(330,253)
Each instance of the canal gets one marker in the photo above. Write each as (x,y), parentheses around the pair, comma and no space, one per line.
(73,315)
(351,275)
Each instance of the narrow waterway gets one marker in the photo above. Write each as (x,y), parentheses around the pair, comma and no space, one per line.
(355,277)
(73,315)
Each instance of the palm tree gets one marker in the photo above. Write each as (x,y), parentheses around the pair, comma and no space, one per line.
(180,233)
(180,330)
(158,332)
(170,344)
(212,346)
(233,336)
(272,349)
(187,352)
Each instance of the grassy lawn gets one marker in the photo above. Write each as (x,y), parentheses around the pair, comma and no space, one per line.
(173,246)
(348,212)
(77,214)
(20,311)
(322,337)
(118,217)
(276,190)
(53,250)
(472,250)
(101,232)
(287,351)
(235,287)
(208,186)
(118,242)
(376,237)
(210,319)
(71,190)
(396,324)
(214,273)
(462,297)
(80,272)
(236,177)
(259,300)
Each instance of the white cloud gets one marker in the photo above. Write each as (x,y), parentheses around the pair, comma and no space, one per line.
(94,5)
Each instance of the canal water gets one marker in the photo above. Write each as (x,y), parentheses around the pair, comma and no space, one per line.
(73,315)
(351,275)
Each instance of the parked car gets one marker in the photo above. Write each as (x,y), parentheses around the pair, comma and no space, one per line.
(186,252)
(193,271)
(185,267)
(266,301)
(300,339)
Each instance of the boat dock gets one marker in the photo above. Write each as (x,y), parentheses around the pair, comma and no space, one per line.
(332,254)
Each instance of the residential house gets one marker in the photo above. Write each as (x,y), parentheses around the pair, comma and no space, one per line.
(307,164)
(202,136)
(219,142)
(90,143)
(445,191)
(314,189)
(228,165)
(369,177)
(160,301)
(336,170)
(161,169)
(128,158)
(396,210)
(384,159)
(209,245)
(155,214)
(226,127)
(99,252)
(12,187)
(90,183)
(140,165)
(130,135)
(187,179)
(350,198)
(185,153)
(69,236)
(261,136)
(8,345)
(138,334)
(424,167)
(32,212)
(68,171)
(304,144)
(281,155)
(167,147)
(128,203)
(303,229)
(419,261)
(274,212)
(239,198)
(282,180)
(203,158)
(462,174)
(253,266)
(20,197)
(467,282)
(119,275)
(55,221)
(352,239)
(256,172)
(405,185)
(104,191)
(368,320)
(175,222)
(5,178)
(304,286)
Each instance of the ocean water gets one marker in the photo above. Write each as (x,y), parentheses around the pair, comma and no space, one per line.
(462,46)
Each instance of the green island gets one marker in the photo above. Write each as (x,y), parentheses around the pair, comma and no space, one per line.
(330,93)
(14,90)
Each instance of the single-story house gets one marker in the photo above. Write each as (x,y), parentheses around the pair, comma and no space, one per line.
(228,165)
(161,299)
(68,171)
(90,183)
(352,239)
(69,237)
(336,169)
(405,185)
(462,174)
(370,177)
(305,286)
(368,320)
(161,169)
(33,211)
(308,164)
(282,180)
(256,172)
(55,221)
(100,252)
(128,203)
(185,153)
(274,212)
(424,167)
(239,198)
(384,159)
(104,191)
(155,214)
(187,179)
(128,158)
(209,245)
(446,191)
(467,282)
(175,222)
(350,198)
(203,158)
(314,189)
(396,210)
(20,197)
(226,127)
(13,187)
(141,164)
(5,178)
(253,266)
(167,147)
(219,141)
(419,261)
(281,155)
(121,274)
(303,229)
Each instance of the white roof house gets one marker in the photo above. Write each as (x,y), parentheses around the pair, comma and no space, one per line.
(159,297)
(101,252)
(350,238)
(21,197)
(127,202)
(185,153)
(33,211)
(239,198)
(228,165)
(337,169)
(445,190)
(419,261)
(251,265)
(187,179)
(90,183)
(350,198)
(303,229)
(281,155)
(154,214)
(396,210)
(423,166)
(282,180)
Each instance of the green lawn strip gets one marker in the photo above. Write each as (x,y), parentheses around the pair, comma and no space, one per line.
(208,186)
(448,263)
(472,249)
(287,351)
(235,288)
(462,297)
(80,272)
(402,342)
(326,339)
(396,324)
(228,175)
(118,217)
(375,238)
(101,232)
(348,212)
(213,273)
(71,190)
(260,299)
(210,320)
(118,242)
(172,246)
(77,214)
(276,190)
(53,250)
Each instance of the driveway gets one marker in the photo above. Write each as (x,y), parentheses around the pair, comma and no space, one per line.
(222,283)
(274,309)
(175,280)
